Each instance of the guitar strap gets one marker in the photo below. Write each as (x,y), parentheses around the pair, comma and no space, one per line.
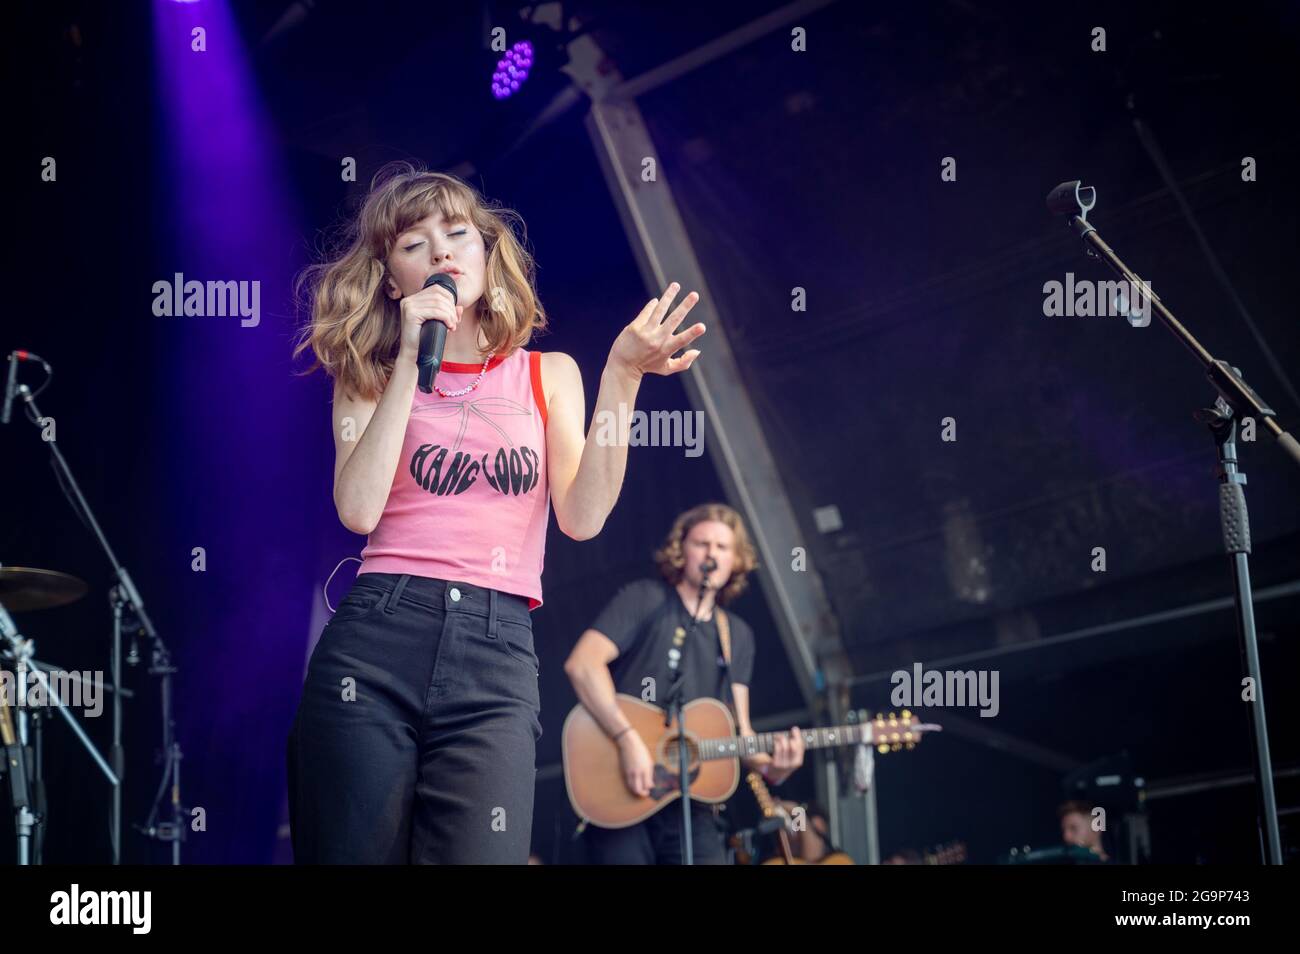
(724,637)
(724,634)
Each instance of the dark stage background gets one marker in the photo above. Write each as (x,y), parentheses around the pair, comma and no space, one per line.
(819,170)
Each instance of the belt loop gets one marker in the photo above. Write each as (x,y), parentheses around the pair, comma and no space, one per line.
(390,602)
(492,614)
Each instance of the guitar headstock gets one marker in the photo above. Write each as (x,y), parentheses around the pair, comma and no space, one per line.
(763,795)
(895,731)
(770,807)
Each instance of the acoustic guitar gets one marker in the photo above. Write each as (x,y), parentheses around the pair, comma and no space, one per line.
(771,808)
(593,772)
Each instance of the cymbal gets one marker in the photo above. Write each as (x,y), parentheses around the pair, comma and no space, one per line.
(24,588)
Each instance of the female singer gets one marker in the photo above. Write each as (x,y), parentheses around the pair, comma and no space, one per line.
(415,737)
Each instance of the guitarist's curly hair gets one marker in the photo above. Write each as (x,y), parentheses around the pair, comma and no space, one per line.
(672,561)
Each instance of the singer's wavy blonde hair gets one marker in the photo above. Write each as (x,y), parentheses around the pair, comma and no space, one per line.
(671,561)
(355,328)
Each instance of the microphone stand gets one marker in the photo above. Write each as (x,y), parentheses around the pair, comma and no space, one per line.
(36,770)
(675,713)
(26,786)
(127,604)
(1236,399)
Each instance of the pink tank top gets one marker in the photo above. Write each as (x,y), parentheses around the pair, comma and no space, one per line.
(470,500)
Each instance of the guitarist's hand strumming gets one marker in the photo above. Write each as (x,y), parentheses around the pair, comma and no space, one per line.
(638,766)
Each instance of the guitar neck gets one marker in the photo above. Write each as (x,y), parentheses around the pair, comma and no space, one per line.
(743,746)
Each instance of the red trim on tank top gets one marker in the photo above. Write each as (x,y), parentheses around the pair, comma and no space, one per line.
(539,395)
(462,367)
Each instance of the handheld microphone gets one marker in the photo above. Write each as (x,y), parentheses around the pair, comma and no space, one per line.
(433,337)
(707,567)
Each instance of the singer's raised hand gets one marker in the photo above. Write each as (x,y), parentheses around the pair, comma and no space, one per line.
(429,304)
(648,343)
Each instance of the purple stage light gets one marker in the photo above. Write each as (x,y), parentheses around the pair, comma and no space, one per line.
(225,211)
(512,70)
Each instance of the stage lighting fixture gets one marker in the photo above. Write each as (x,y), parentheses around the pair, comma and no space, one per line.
(511,71)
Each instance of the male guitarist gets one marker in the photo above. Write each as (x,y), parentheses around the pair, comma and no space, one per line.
(626,650)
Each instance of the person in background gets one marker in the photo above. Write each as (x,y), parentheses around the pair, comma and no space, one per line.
(1077,828)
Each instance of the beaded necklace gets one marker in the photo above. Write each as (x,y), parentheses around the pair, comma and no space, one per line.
(470,387)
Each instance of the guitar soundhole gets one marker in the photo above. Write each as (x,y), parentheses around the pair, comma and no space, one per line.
(672,757)
(667,780)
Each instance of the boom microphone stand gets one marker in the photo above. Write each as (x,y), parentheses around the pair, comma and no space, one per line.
(23,778)
(675,711)
(1236,399)
(128,609)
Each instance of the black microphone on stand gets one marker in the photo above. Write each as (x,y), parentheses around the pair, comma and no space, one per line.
(706,567)
(9,387)
(433,336)
(11,382)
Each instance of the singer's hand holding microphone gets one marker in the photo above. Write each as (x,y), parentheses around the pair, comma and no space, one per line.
(432,303)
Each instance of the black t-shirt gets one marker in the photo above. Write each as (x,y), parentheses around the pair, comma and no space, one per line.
(641,620)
